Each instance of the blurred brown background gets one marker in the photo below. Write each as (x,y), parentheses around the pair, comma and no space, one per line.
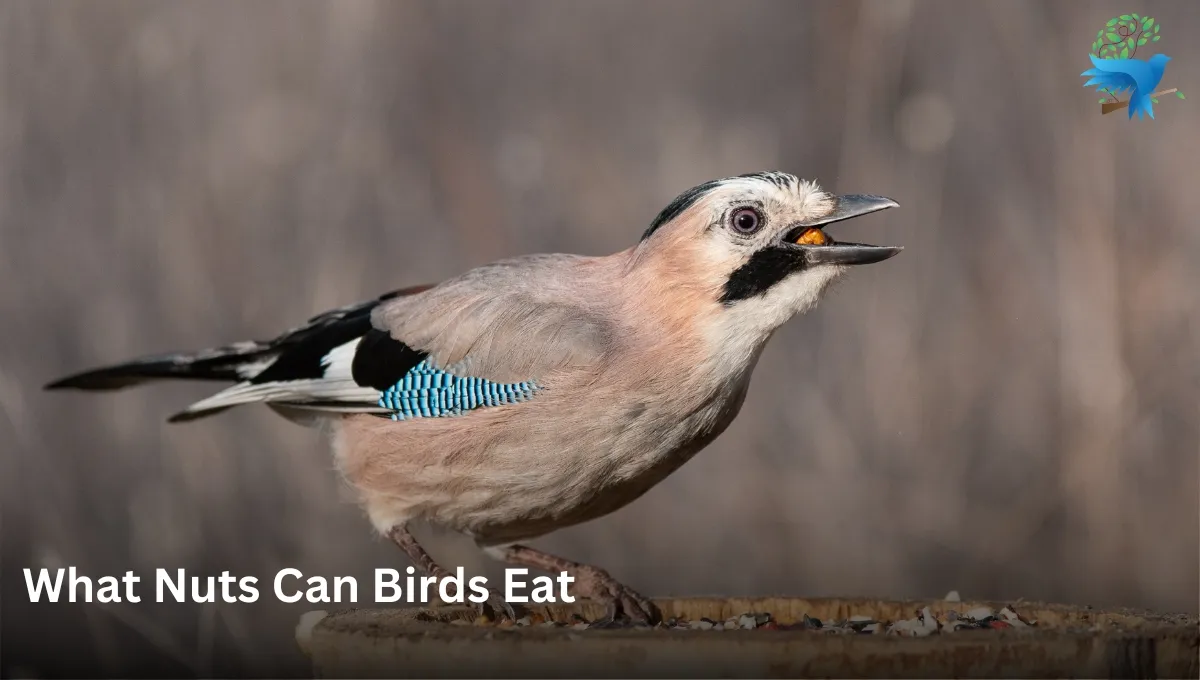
(1008,409)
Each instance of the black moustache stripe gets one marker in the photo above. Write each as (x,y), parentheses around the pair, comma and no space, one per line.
(761,272)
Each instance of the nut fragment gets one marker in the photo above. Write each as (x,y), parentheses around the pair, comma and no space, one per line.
(812,237)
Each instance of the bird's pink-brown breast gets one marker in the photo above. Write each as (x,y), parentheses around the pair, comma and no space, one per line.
(615,420)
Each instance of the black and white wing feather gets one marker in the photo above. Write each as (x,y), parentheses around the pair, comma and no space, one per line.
(310,367)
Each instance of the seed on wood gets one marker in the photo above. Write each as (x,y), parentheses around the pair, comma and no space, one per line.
(980,613)
(922,623)
(1011,616)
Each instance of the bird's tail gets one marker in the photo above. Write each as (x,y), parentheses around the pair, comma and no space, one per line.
(1141,103)
(231,363)
(310,366)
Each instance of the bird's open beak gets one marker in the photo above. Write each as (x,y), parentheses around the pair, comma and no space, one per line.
(821,248)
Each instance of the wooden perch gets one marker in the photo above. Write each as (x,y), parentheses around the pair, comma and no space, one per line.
(1109,107)
(434,642)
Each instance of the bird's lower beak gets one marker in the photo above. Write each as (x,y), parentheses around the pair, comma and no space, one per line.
(820,248)
(850,253)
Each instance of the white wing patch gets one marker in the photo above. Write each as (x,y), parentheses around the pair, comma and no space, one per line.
(339,360)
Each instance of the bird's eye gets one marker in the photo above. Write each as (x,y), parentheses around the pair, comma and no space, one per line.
(745,220)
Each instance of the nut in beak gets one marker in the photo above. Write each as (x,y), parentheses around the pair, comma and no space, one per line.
(812,237)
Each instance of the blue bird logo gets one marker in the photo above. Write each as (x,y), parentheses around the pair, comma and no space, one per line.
(1116,71)
(1121,75)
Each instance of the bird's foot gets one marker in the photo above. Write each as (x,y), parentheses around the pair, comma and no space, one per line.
(495,609)
(623,603)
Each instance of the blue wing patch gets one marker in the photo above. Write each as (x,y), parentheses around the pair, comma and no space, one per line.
(428,392)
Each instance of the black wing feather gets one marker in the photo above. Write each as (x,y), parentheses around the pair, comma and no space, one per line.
(380,360)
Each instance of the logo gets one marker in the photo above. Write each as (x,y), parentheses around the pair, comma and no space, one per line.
(1116,69)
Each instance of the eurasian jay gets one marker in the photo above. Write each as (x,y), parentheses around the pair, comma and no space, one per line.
(543,391)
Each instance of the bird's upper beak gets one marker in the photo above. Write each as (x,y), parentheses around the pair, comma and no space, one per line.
(825,250)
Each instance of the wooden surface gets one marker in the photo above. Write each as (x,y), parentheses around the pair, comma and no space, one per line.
(1067,642)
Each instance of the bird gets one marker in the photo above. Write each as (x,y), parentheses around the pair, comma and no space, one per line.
(542,391)
(1120,75)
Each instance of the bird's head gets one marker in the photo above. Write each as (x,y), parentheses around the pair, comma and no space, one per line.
(754,248)
(1159,60)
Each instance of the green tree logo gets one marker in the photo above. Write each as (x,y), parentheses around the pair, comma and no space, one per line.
(1120,39)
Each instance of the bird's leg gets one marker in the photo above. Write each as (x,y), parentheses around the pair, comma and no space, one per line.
(591,582)
(494,607)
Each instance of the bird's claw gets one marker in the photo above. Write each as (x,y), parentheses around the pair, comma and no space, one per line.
(623,603)
(496,609)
